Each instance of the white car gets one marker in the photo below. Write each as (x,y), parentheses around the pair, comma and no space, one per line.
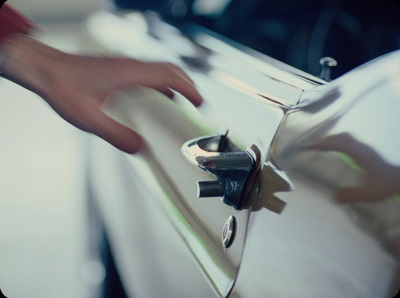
(272,151)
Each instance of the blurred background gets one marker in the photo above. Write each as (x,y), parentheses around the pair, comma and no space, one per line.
(298,33)
(43,247)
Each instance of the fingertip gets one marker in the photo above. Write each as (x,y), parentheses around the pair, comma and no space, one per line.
(118,135)
(197,102)
(131,145)
(195,98)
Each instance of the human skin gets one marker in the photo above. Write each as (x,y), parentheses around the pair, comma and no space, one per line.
(76,86)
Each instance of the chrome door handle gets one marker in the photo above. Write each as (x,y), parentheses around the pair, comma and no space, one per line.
(234,171)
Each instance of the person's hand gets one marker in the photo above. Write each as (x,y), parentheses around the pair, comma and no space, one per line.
(76,86)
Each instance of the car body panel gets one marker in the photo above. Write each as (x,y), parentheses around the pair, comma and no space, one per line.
(157,226)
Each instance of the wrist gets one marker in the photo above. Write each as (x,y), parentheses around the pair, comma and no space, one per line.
(27,61)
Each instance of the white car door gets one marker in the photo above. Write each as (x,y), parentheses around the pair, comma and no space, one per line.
(293,238)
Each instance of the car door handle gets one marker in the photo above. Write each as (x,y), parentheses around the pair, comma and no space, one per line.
(234,171)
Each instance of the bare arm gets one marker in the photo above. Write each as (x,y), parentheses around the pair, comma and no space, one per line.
(75,86)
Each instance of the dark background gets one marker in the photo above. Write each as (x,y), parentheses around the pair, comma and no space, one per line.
(298,32)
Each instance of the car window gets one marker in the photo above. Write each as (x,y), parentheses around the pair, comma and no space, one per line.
(298,33)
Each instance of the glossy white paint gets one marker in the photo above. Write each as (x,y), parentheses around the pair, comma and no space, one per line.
(312,249)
